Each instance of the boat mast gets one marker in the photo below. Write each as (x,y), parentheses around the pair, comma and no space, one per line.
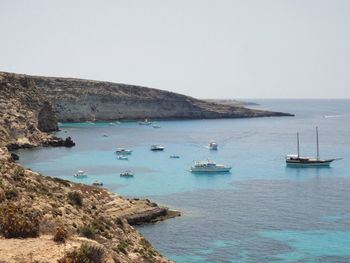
(298,143)
(318,150)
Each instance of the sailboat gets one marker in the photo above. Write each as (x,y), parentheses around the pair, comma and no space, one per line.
(303,161)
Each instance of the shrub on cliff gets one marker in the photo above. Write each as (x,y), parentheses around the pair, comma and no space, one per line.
(75,198)
(85,254)
(11,193)
(17,221)
(61,235)
(18,173)
(88,232)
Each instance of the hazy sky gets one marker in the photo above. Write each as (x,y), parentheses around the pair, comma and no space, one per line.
(202,48)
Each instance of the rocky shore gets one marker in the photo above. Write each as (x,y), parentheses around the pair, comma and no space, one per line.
(31,106)
(89,214)
(77,100)
(26,115)
(38,208)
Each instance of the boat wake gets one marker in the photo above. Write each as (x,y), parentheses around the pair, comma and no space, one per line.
(336,116)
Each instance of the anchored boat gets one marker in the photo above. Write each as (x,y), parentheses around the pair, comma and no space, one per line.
(97,183)
(303,161)
(213,146)
(123,151)
(80,174)
(145,122)
(157,147)
(122,157)
(127,173)
(209,167)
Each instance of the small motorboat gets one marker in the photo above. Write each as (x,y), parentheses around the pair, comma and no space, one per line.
(97,183)
(127,173)
(174,156)
(80,174)
(156,126)
(122,157)
(145,122)
(105,135)
(157,147)
(123,151)
(213,146)
(209,167)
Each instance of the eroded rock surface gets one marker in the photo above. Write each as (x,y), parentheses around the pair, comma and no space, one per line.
(25,113)
(99,211)
(88,100)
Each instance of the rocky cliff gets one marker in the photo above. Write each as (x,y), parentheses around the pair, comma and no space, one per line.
(25,112)
(39,205)
(87,100)
(87,214)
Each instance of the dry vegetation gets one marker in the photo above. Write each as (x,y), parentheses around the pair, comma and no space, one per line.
(34,206)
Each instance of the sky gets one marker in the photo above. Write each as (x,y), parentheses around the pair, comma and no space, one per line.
(202,48)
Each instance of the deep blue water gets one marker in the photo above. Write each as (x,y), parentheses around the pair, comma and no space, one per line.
(262,211)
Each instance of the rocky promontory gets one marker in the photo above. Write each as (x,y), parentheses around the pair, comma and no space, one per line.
(26,114)
(54,220)
(38,208)
(55,216)
(78,100)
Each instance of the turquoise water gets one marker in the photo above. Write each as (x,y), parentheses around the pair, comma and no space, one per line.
(262,211)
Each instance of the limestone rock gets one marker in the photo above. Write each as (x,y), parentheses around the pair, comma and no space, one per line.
(25,112)
(88,100)
(102,212)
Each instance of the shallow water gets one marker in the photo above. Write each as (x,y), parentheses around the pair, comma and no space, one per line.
(262,211)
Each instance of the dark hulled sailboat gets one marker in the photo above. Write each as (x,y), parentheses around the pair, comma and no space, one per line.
(303,161)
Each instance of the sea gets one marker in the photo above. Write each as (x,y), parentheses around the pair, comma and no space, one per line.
(262,211)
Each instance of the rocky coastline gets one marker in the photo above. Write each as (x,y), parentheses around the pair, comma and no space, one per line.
(78,100)
(44,206)
(30,108)
(89,214)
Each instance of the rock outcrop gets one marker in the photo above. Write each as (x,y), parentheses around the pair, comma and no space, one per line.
(30,106)
(25,113)
(88,213)
(88,100)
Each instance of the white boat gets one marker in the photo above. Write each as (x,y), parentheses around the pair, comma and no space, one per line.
(97,183)
(174,156)
(122,157)
(156,126)
(213,146)
(295,160)
(80,174)
(145,122)
(123,151)
(157,147)
(209,167)
(127,174)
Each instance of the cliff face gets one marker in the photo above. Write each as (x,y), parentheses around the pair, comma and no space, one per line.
(104,214)
(32,103)
(86,100)
(25,112)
